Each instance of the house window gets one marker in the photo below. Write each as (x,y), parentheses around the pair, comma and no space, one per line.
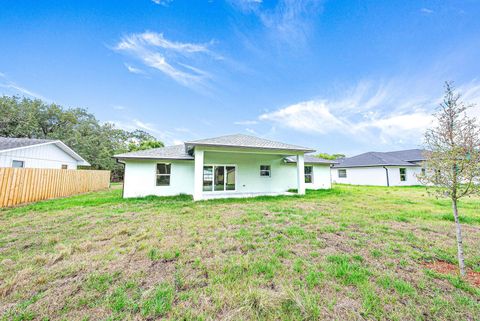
(163,174)
(18,164)
(64,166)
(342,173)
(403,174)
(308,174)
(207,178)
(265,170)
(219,178)
(424,171)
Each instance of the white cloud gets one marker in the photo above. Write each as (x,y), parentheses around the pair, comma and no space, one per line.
(389,113)
(14,89)
(164,3)
(426,11)
(134,70)
(290,21)
(152,49)
(246,122)
(251,131)
(166,136)
(471,95)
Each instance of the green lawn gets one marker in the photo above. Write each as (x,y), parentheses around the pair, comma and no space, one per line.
(346,253)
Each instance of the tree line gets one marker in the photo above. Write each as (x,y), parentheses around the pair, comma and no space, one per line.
(95,141)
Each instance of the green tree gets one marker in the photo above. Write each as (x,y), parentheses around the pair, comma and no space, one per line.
(76,127)
(454,157)
(330,156)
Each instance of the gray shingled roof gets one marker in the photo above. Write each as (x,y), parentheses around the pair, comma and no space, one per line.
(169,152)
(310,159)
(10,143)
(397,158)
(246,141)
(409,155)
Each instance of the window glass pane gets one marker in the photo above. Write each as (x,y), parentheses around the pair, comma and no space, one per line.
(264,170)
(403,170)
(342,173)
(163,180)
(17,164)
(64,166)
(230,184)
(308,178)
(163,168)
(207,178)
(219,178)
(308,169)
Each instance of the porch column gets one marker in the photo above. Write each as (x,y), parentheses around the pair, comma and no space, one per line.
(300,175)
(198,175)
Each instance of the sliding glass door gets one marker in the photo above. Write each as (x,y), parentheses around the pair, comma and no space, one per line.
(219,178)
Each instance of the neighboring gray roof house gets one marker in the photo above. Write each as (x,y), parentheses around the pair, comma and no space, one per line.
(19,148)
(410,157)
(185,151)
(11,143)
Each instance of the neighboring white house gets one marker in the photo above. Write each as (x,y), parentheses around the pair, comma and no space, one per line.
(399,168)
(226,166)
(38,153)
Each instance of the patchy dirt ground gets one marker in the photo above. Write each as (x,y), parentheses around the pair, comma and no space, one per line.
(472,277)
(350,253)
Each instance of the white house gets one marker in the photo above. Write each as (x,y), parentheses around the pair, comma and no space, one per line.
(226,166)
(38,153)
(399,168)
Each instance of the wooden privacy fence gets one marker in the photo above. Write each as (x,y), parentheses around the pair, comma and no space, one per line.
(24,185)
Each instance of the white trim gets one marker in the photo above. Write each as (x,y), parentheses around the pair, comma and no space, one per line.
(300,175)
(312,175)
(169,175)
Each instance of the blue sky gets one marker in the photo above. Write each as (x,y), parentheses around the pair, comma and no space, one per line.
(339,76)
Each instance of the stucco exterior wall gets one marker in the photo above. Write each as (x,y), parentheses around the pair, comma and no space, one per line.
(43,156)
(377,176)
(140,178)
(321,177)
(140,175)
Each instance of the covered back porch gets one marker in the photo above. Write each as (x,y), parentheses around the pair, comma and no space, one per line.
(237,172)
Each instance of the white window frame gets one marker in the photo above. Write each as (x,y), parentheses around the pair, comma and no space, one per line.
(224,180)
(404,175)
(343,170)
(18,160)
(269,170)
(169,175)
(311,174)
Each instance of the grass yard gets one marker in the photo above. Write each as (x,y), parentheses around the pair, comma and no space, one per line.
(347,253)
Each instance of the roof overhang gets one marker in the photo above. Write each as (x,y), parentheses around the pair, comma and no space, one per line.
(152,158)
(246,149)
